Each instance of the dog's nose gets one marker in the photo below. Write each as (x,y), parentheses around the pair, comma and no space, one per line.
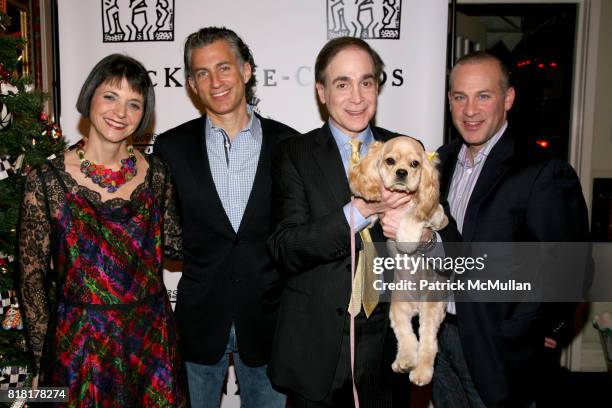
(401,173)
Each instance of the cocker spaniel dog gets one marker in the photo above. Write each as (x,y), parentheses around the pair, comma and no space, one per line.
(402,164)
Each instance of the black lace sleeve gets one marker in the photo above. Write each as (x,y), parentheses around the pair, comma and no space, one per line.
(34,247)
(173,244)
(164,190)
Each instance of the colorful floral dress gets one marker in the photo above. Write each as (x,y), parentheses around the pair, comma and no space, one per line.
(97,312)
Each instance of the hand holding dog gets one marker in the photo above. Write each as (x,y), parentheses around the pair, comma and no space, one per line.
(390,200)
(390,221)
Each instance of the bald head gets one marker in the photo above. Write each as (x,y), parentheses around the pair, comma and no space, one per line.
(480,57)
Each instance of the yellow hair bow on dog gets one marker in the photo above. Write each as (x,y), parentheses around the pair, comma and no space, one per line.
(431,156)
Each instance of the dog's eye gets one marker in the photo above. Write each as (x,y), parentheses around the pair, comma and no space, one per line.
(390,161)
(414,164)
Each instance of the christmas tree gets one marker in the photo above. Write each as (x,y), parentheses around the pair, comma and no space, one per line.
(27,139)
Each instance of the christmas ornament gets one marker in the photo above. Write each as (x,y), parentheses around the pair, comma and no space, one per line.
(6,299)
(53,130)
(18,163)
(4,256)
(8,89)
(5,167)
(9,166)
(107,178)
(5,116)
(50,128)
(12,320)
(4,74)
(12,377)
(10,309)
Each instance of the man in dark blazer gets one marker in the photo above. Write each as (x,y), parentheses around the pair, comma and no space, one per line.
(228,295)
(312,205)
(491,353)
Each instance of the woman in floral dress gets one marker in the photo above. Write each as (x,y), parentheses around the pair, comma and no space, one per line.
(94,224)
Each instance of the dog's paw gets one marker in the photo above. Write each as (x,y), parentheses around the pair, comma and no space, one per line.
(421,375)
(403,364)
(438,219)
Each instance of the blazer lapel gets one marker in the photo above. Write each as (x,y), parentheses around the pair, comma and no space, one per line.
(261,183)
(379,136)
(327,157)
(206,184)
(495,167)
(448,168)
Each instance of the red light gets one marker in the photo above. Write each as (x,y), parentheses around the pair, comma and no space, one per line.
(553,64)
(528,62)
(543,143)
(541,66)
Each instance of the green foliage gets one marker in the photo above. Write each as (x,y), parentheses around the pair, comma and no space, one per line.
(8,51)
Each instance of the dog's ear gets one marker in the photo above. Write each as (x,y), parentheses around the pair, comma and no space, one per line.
(364,178)
(428,193)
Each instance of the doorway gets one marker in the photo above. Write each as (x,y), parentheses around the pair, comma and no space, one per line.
(536,42)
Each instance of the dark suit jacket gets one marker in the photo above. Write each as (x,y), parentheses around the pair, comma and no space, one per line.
(516,198)
(227,276)
(312,245)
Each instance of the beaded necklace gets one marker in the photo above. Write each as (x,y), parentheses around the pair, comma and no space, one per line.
(107,178)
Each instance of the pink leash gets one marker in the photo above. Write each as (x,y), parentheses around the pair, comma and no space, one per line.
(352,329)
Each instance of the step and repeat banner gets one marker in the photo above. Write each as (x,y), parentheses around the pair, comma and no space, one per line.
(285,37)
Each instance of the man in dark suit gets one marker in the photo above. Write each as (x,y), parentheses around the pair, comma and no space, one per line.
(229,293)
(491,353)
(312,206)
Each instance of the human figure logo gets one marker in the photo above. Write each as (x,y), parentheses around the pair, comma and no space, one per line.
(137,20)
(373,19)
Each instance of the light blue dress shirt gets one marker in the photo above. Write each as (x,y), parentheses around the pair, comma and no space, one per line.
(342,141)
(233,164)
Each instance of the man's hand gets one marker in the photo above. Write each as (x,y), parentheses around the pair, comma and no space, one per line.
(550,343)
(390,200)
(389,221)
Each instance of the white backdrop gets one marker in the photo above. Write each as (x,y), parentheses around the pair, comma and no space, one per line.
(285,37)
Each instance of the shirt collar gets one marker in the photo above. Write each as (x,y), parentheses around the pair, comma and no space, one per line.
(483,153)
(343,140)
(247,129)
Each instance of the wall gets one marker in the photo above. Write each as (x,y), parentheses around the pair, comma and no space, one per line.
(285,38)
(602,130)
(592,358)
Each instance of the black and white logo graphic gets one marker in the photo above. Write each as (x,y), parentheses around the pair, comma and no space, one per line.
(144,142)
(376,19)
(137,20)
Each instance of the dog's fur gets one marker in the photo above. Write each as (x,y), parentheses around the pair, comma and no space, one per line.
(402,164)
